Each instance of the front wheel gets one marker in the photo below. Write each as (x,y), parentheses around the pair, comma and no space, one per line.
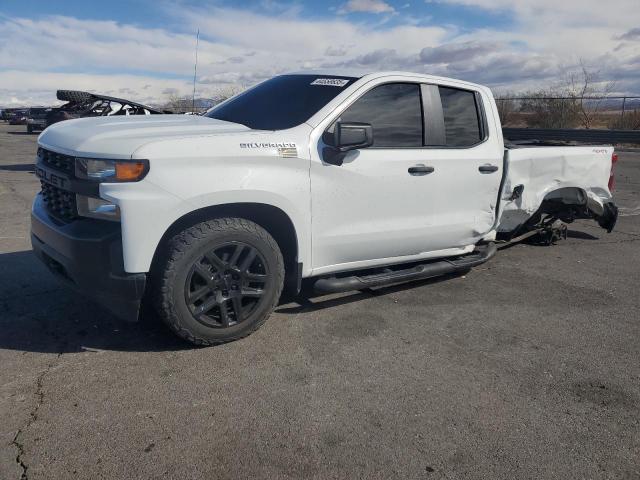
(219,280)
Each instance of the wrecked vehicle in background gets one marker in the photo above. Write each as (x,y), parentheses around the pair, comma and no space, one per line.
(16,116)
(84,104)
(37,119)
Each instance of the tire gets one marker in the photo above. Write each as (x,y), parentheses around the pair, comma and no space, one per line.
(29,129)
(219,280)
(73,96)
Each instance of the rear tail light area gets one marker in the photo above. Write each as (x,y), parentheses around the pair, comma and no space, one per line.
(612,177)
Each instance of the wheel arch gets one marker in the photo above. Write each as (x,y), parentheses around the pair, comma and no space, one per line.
(575,195)
(567,202)
(273,219)
(570,195)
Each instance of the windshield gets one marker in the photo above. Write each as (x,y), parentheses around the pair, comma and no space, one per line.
(281,102)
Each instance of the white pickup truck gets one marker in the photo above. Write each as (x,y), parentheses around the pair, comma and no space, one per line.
(351,181)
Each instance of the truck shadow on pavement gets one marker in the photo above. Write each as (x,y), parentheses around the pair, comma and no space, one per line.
(309,301)
(37,314)
(581,235)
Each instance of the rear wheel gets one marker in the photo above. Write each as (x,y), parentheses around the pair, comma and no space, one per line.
(219,280)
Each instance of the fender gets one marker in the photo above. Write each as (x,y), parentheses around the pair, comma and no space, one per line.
(149,211)
(300,220)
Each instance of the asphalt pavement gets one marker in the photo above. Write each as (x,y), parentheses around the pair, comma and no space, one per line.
(527,367)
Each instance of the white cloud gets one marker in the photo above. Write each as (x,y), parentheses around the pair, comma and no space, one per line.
(237,46)
(59,42)
(22,87)
(135,57)
(339,51)
(633,35)
(300,37)
(458,52)
(366,6)
(568,27)
(557,35)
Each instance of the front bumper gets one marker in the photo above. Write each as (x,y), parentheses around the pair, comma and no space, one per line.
(87,255)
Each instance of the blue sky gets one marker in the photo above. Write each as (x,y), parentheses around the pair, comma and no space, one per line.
(147,13)
(143,49)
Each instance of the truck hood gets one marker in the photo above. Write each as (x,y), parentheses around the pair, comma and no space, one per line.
(119,137)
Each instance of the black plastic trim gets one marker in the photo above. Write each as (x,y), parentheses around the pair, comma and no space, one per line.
(432,116)
(59,179)
(482,116)
(420,170)
(421,271)
(87,255)
(299,278)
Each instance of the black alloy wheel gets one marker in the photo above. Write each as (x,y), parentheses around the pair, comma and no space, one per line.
(226,285)
(218,280)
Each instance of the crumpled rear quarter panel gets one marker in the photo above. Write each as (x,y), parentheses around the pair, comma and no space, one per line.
(544,169)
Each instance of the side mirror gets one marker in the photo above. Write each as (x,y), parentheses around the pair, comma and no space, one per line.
(346,136)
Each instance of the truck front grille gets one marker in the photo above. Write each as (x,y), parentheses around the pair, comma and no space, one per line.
(61,203)
(57,161)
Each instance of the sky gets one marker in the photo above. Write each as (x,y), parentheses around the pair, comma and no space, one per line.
(144,50)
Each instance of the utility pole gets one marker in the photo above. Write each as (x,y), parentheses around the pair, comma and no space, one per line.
(195,73)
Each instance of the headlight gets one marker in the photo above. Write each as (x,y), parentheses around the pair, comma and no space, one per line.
(111,170)
(97,208)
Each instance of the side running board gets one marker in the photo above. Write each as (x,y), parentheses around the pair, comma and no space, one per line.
(481,254)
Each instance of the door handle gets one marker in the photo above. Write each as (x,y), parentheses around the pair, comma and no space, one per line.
(488,168)
(421,170)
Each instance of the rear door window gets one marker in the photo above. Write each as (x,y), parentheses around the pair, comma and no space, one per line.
(461,117)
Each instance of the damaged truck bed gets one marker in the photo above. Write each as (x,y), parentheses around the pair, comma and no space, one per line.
(544,184)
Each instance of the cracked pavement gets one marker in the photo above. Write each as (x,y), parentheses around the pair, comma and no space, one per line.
(526,367)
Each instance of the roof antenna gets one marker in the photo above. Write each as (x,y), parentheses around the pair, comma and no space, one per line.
(195,72)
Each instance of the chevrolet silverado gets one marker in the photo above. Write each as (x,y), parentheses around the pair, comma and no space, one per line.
(350,181)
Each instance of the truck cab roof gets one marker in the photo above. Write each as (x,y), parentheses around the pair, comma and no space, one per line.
(372,74)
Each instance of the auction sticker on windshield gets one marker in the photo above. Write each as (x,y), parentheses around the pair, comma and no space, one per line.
(331,82)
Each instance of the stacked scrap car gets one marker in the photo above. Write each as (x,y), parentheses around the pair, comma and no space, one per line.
(17,116)
(84,104)
(37,119)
